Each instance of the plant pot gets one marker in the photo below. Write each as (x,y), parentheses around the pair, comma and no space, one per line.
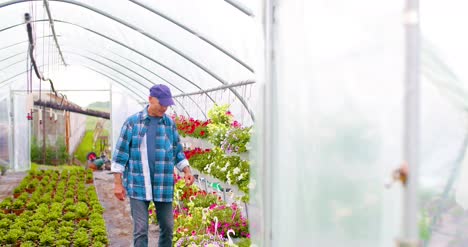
(18,211)
(30,191)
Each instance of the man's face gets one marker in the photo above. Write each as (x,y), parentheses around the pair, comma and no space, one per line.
(155,109)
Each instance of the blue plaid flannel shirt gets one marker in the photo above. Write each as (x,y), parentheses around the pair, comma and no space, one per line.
(129,158)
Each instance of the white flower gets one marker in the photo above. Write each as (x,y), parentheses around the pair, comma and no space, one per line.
(236,171)
(240,177)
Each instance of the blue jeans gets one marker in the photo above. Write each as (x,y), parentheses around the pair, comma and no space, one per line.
(139,210)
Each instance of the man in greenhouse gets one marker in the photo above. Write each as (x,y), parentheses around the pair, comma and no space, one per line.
(143,164)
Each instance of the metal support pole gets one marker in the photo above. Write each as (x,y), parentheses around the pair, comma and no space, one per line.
(44,142)
(266,146)
(410,236)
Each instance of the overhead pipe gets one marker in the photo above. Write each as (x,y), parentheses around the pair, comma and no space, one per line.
(72,108)
(243,83)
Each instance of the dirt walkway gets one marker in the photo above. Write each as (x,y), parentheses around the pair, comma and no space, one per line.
(117,213)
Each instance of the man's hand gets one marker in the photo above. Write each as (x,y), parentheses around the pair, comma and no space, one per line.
(119,191)
(189,179)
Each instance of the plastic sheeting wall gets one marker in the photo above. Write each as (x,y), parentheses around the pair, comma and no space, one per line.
(122,107)
(5,129)
(333,108)
(444,134)
(21,133)
(77,130)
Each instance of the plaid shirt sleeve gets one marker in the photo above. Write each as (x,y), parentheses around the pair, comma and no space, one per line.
(180,160)
(122,149)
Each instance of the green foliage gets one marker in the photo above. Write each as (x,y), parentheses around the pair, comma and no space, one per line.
(56,153)
(46,238)
(99,106)
(28,244)
(236,140)
(85,147)
(12,236)
(244,242)
(230,169)
(31,236)
(81,210)
(54,223)
(217,133)
(6,203)
(424,226)
(18,204)
(219,115)
(5,223)
(62,243)
(81,238)
(220,124)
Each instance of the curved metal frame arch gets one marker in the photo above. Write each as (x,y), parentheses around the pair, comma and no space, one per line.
(200,66)
(240,7)
(138,52)
(115,41)
(12,64)
(125,67)
(132,79)
(113,79)
(15,44)
(24,60)
(112,61)
(198,35)
(5,82)
(138,83)
(12,56)
(120,83)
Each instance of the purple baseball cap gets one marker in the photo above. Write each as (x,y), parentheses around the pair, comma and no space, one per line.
(162,93)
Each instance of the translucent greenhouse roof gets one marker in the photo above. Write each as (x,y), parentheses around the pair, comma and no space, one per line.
(192,46)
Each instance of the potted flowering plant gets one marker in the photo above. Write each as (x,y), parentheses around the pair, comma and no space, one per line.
(223,218)
(190,127)
(201,240)
(236,140)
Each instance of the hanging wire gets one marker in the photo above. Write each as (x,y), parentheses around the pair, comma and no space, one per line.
(49,44)
(244,94)
(43,35)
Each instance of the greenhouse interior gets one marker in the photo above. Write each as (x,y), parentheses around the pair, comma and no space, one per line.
(302,122)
